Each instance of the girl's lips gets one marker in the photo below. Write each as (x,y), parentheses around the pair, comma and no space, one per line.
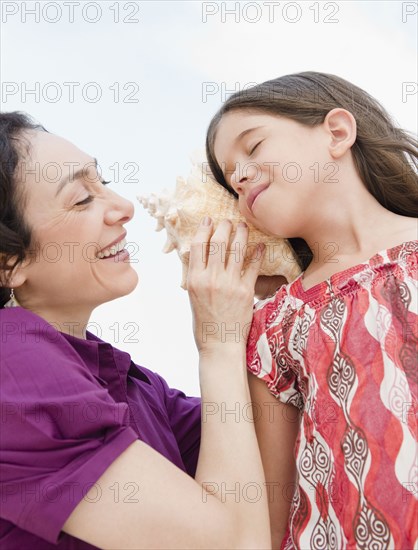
(254,193)
(119,257)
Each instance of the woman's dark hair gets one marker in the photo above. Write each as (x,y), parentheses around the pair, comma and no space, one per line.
(15,233)
(385,156)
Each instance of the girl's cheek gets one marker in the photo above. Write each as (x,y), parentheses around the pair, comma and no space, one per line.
(243,208)
(249,216)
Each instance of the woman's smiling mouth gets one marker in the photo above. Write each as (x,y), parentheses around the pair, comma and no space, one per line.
(113,251)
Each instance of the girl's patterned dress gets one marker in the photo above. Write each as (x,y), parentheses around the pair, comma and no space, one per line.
(345,354)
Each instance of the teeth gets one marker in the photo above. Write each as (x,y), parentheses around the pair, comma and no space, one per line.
(112,250)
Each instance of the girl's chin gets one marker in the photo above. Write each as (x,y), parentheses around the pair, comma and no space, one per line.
(268,230)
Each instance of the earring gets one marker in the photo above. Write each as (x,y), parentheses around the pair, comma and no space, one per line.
(12,302)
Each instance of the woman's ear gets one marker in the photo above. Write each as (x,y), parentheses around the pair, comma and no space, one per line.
(16,278)
(342,127)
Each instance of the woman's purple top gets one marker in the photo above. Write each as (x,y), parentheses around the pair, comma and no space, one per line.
(69,408)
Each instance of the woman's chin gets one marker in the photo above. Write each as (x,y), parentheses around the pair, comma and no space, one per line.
(134,283)
(128,286)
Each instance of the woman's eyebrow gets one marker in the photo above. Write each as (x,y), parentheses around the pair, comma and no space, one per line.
(72,176)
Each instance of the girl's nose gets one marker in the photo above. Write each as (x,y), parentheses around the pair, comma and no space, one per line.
(240,185)
(241,176)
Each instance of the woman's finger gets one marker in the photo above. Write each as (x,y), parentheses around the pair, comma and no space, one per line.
(219,245)
(256,257)
(199,247)
(237,250)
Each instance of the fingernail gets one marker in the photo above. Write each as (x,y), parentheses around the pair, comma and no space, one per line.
(261,247)
(206,221)
(242,224)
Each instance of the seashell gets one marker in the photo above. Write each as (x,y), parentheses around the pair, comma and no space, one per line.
(181,211)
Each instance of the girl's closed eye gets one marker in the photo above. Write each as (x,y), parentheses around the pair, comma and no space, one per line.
(255,147)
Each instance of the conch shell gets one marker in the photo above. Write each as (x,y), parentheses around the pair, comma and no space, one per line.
(180,213)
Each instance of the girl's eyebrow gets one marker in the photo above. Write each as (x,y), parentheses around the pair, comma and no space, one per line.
(76,175)
(245,132)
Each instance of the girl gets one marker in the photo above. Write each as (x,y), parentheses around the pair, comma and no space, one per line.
(333,352)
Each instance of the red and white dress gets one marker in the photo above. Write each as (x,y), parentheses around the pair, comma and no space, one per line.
(345,354)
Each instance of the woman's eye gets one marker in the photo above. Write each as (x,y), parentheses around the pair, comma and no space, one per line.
(90,197)
(85,201)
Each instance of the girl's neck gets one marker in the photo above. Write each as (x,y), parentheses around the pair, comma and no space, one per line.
(329,259)
(348,222)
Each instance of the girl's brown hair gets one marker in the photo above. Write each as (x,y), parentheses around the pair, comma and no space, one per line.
(385,156)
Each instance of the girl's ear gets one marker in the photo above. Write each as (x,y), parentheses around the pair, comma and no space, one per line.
(342,127)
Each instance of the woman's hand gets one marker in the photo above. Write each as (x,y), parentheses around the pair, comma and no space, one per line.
(221,298)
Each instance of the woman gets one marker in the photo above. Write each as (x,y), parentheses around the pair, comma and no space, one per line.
(95,450)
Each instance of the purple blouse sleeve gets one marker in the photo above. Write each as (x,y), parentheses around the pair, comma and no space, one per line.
(60,431)
(185,419)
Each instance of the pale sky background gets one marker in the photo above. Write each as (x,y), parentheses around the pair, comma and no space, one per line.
(172,54)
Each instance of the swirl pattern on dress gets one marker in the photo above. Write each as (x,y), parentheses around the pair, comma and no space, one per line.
(344,353)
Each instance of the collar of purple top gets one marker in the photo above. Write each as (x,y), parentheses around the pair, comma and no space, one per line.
(101,356)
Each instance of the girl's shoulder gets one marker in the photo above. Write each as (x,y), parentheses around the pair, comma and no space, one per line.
(397,245)
(321,285)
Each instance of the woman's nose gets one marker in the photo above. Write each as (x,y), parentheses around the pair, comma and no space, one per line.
(120,209)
